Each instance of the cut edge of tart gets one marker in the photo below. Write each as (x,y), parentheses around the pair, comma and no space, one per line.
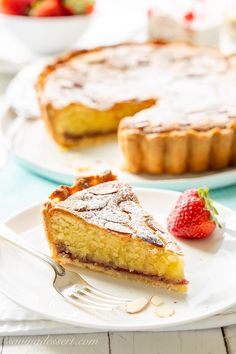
(77,123)
(99,224)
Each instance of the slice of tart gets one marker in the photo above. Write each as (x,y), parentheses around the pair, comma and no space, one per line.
(99,224)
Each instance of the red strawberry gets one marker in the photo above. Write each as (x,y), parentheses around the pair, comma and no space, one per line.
(15,7)
(48,8)
(194,216)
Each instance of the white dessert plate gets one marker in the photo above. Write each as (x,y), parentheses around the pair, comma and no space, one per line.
(208,264)
(37,151)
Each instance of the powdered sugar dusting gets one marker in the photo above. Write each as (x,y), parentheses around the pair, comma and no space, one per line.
(114,206)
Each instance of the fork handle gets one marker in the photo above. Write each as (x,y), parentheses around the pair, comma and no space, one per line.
(13,238)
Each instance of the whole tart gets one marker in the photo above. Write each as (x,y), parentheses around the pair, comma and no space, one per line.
(180,101)
(99,224)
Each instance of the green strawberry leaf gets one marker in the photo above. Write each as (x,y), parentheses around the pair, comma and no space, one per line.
(204,195)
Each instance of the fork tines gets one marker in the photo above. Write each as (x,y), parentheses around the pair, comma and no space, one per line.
(90,297)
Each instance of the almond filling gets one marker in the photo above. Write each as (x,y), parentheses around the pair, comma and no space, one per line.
(63,252)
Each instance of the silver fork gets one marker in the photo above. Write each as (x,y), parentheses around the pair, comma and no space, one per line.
(70,285)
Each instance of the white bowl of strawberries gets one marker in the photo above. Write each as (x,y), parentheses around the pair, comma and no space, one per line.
(47,26)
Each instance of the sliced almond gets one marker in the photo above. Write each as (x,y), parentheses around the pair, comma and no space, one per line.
(164,311)
(156,300)
(137,305)
(96,203)
(131,207)
(105,188)
(113,226)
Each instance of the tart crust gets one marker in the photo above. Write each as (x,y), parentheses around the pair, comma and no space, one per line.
(179,152)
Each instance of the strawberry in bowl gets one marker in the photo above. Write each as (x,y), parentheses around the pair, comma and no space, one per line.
(47,26)
(15,7)
(49,8)
(194,215)
(46,8)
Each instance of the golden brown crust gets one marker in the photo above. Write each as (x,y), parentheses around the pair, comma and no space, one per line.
(63,192)
(178,152)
